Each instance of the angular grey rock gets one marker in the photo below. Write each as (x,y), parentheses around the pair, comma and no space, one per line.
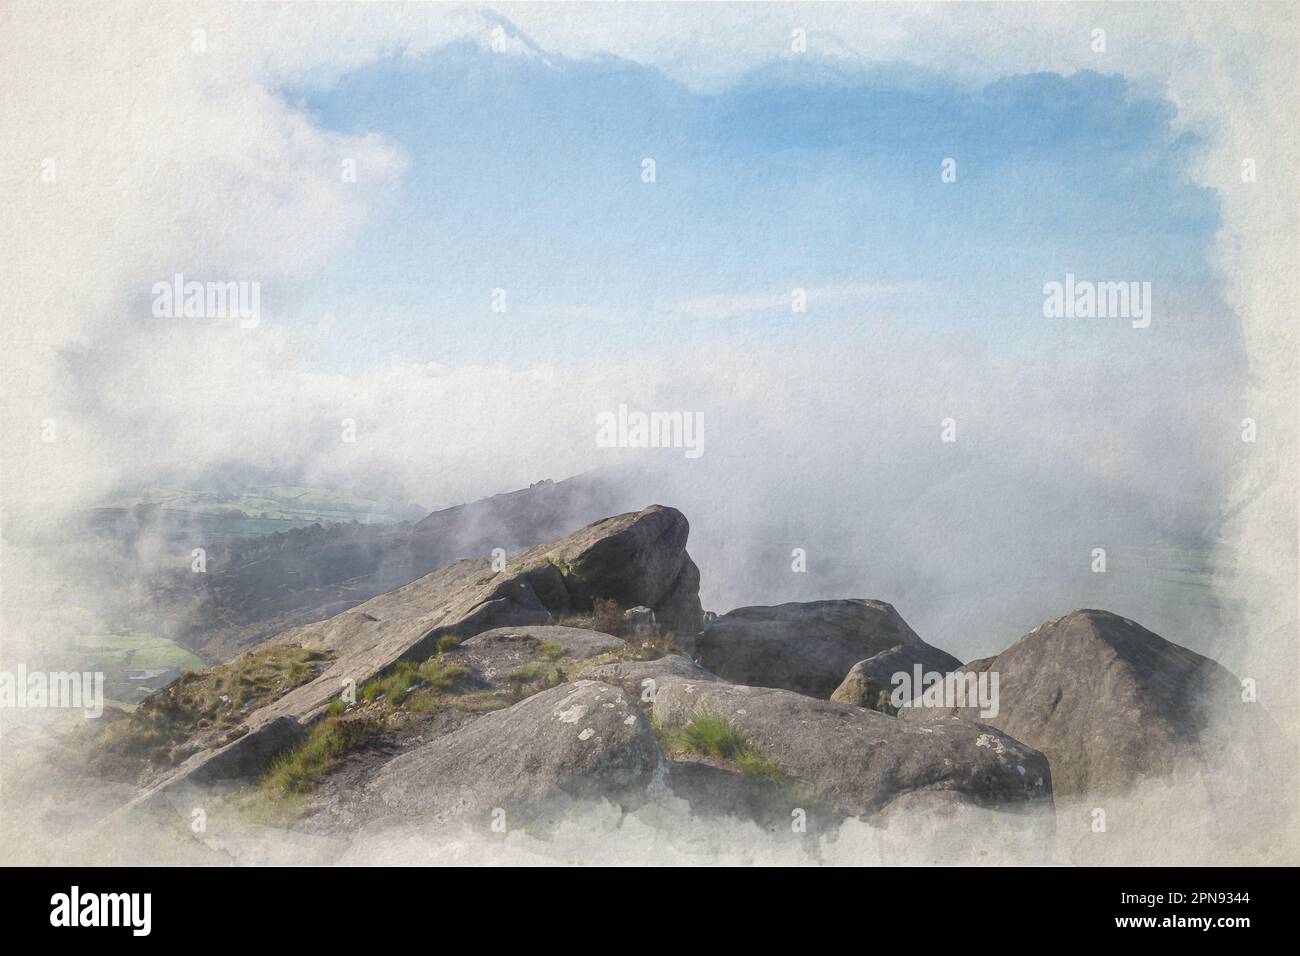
(858,760)
(578,643)
(585,740)
(633,558)
(1106,700)
(804,647)
(871,683)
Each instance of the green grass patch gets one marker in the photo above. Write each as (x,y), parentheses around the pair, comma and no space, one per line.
(423,684)
(713,735)
(202,709)
(407,687)
(301,770)
(132,651)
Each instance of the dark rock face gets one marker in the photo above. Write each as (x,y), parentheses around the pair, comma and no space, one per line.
(870,683)
(859,761)
(714,792)
(807,648)
(248,755)
(1105,699)
(679,610)
(584,740)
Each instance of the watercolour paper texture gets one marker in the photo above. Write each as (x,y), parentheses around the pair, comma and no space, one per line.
(649,433)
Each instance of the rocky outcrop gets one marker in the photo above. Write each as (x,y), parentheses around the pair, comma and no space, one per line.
(858,760)
(806,648)
(585,740)
(1107,701)
(873,682)
(635,558)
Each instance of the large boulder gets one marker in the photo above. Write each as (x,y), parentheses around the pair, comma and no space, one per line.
(634,558)
(859,761)
(1109,702)
(803,647)
(874,683)
(637,558)
(582,741)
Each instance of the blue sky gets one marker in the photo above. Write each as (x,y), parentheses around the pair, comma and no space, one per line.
(525,174)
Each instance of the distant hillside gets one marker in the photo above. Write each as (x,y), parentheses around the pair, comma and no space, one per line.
(255,587)
(224,516)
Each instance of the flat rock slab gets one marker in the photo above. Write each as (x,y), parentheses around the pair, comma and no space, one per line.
(804,647)
(494,655)
(580,741)
(858,760)
(642,679)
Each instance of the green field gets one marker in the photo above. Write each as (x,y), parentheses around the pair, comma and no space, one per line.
(129,652)
(293,503)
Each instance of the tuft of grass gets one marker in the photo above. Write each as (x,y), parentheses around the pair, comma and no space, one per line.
(714,736)
(422,683)
(446,643)
(552,650)
(415,688)
(528,679)
(203,709)
(605,615)
(301,770)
